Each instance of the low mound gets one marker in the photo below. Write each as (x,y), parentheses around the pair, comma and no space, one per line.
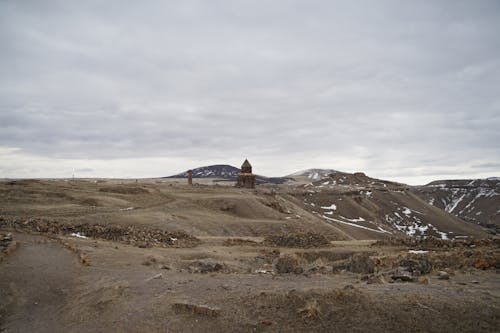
(244,206)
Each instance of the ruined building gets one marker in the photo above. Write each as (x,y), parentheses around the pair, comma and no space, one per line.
(246,178)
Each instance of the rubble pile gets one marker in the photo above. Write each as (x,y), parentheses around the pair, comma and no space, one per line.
(206,267)
(477,258)
(5,240)
(409,269)
(361,263)
(412,267)
(7,245)
(134,235)
(301,240)
(436,243)
(288,264)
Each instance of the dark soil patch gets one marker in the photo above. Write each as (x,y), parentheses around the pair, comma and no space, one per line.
(301,240)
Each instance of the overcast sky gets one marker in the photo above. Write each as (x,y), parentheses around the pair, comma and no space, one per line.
(402,90)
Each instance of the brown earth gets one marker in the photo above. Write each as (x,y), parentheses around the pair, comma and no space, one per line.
(163,204)
(245,267)
(122,288)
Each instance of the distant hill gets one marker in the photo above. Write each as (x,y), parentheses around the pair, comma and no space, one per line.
(221,171)
(229,173)
(473,200)
(313,174)
(366,207)
(369,208)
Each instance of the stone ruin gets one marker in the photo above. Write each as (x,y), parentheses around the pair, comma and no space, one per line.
(246,178)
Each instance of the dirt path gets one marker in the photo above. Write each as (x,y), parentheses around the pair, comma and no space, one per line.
(35,283)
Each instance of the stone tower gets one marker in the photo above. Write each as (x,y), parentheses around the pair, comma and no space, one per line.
(190,177)
(246,178)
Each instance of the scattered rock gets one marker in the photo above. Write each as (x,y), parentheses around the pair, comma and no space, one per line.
(301,240)
(442,275)
(204,310)
(361,263)
(5,240)
(155,277)
(483,264)
(373,279)
(205,267)
(265,269)
(436,243)
(287,264)
(320,269)
(7,244)
(416,266)
(423,280)
(403,275)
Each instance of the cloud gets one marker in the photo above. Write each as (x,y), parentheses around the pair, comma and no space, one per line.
(393,88)
(487,166)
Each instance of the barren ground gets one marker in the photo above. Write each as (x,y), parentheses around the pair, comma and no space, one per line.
(61,283)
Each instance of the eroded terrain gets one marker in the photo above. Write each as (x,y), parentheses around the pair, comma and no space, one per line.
(80,259)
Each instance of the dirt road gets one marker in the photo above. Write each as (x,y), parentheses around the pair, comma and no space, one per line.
(35,283)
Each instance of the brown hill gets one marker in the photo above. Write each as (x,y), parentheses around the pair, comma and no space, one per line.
(365,207)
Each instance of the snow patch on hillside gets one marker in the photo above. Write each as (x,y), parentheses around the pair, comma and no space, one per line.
(378,230)
(314,174)
(454,203)
(359,219)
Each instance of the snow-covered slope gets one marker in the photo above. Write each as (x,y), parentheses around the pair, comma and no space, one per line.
(312,174)
(473,200)
(368,208)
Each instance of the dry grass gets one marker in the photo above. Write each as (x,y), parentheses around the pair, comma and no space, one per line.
(311,310)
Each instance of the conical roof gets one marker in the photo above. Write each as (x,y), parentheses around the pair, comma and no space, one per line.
(246,164)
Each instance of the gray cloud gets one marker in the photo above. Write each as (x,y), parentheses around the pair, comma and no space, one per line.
(399,89)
